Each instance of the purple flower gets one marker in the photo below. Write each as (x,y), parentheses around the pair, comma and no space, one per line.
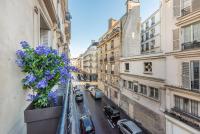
(24,44)
(20,53)
(65,58)
(52,96)
(42,50)
(54,52)
(49,75)
(63,80)
(42,84)
(32,97)
(19,62)
(29,79)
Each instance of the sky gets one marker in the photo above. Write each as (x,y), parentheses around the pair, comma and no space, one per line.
(90,19)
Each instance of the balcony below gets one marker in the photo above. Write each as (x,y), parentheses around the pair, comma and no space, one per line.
(190,45)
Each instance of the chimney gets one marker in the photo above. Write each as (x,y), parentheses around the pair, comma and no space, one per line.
(130,4)
(111,22)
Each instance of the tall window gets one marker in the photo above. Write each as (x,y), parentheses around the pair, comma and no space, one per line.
(195,74)
(130,85)
(126,66)
(186,105)
(143,89)
(191,33)
(154,93)
(124,83)
(153,20)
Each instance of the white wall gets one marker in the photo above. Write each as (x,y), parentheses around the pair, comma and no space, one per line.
(16,24)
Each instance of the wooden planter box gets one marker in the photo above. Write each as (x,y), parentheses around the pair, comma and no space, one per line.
(42,121)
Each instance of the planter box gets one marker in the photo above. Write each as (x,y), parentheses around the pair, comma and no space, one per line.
(42,121)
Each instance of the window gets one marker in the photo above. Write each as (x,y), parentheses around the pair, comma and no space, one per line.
(148,67)
(154,93)
(142,50)
(195,75)
(147,46)
(147,25)
(194,107)
(130,85)
(124,83)
(152,44)
(186,105)
(126,66)
(153,20)
(115,94)
(136,88)
(191,33)
(143,89)
(147,35)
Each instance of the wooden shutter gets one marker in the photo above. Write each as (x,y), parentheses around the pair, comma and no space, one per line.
(195,5)
(176,7)
(186,75)
(176,39)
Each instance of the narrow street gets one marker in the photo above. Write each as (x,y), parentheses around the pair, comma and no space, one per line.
(93,107)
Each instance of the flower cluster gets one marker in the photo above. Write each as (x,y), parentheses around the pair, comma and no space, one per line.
(45,68)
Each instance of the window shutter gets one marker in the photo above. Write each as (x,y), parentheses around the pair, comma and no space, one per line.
(195,5)
(176,39)
(186,75)
(176,6)
(44,37)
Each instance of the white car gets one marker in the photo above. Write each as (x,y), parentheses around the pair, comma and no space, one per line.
(96,93)
(91,88)
(128,127)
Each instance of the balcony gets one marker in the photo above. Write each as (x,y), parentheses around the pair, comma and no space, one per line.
(185,11)
(112,72)
(151,35)
(112,59)
(187,118)
(190,45)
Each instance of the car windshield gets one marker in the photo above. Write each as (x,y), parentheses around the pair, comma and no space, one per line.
(87,124)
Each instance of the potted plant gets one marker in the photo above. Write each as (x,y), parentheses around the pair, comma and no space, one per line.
(44,69)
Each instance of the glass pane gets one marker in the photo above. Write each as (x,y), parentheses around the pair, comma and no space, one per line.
(196,32)
(187,34)
(195,75)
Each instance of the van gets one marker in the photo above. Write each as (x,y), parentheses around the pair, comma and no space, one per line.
(96,93)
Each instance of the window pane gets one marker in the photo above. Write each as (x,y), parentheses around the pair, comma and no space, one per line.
(196,32)
(195,75)
(187,34)
(194,107)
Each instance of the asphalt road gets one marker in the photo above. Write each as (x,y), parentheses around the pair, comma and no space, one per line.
(95,109)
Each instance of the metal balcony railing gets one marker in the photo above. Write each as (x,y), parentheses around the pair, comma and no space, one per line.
(190,45)
(64,125)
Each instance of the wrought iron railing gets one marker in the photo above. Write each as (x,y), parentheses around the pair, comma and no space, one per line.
(190,45)
(64,123)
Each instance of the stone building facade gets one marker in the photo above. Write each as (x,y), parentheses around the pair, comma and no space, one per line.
(142,72)
(90,62)
(37,22)
(108,61)
(181,37)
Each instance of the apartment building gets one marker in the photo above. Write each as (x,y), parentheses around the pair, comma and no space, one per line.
(90,62)
(181,37)
(108,61)
(37,22)
(150,34)
(143,74)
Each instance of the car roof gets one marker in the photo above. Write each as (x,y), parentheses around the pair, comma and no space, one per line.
(132,125)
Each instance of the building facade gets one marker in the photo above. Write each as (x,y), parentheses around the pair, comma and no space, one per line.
(181,37)
(37,22)
(90,62)
(142,73)
(108,61)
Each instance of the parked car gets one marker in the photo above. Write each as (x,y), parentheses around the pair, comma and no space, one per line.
(79,96)
(128,127)
(112,113)
(87,85)
(87,125)
(91,88)
(96,93)
(76,90)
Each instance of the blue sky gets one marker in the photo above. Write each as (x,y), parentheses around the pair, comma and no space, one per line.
(90,19)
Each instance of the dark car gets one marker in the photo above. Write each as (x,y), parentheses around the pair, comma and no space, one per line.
(86,125)
(112,113)
(79,96)
(87,85)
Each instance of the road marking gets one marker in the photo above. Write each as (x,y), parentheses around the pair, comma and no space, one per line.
(110,123)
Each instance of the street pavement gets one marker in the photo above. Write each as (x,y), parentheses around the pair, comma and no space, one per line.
(93,107)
